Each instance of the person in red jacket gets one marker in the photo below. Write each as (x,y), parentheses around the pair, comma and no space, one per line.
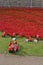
(10,47)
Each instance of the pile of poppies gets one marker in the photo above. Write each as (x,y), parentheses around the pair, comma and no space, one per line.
(22,21)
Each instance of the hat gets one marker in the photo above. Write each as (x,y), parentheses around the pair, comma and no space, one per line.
(13,39)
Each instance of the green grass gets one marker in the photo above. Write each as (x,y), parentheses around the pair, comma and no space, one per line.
(26,48)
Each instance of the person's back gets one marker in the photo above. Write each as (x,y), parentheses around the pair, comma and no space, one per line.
(35,41)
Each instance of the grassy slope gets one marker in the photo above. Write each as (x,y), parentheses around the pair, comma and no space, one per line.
(29,48)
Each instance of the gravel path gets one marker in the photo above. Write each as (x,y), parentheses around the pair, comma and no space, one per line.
(20,60)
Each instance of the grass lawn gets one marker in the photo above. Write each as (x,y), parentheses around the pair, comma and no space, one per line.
(26,48)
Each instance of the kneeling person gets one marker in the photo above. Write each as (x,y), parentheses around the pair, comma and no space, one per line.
(13,47)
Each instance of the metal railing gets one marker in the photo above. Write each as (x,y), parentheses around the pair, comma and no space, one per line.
(21,3)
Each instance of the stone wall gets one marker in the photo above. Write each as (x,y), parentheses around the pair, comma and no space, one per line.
(21,3)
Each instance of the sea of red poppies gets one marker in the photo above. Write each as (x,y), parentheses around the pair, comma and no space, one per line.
(22,21)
